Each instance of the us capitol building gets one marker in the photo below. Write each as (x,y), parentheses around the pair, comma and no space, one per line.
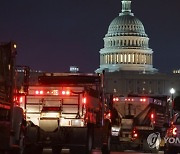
(128,61)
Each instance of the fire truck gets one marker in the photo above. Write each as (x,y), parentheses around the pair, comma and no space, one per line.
(11,115)
(67,110)
(135,118)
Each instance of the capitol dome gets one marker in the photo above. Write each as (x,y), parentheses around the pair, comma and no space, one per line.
(126,45)
(126,25)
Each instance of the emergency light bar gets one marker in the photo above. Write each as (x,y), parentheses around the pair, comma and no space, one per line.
(129,99)
(52,92)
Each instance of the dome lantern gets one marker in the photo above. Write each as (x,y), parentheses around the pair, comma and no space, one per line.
(126,7)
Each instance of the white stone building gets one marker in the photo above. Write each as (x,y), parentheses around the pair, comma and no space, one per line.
(128,61)
(126,45)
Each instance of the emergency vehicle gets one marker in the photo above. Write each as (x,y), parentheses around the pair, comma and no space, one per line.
(66,110)
(135,118)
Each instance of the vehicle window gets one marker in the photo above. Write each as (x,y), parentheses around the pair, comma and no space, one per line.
(177,122)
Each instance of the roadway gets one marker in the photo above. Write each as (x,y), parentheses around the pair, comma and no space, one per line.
(66,151)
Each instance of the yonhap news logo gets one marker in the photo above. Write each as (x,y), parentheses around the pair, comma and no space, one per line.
(155,139)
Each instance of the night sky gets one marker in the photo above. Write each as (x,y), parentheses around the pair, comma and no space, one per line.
(54,34)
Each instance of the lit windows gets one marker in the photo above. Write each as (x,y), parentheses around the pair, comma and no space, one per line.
(117,58)
(129,58)
(106,59)
(121,58)
(125,58)
(111,59)
(133,58)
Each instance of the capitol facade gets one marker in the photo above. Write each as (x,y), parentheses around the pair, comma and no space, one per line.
(126,45)
(127,59)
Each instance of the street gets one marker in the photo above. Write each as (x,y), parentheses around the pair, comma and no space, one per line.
(66,151)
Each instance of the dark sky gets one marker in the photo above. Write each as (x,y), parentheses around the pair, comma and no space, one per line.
(55,34)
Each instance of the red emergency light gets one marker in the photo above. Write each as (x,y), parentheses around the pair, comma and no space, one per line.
(115,99)
(65,92)
(39,92)
(52,92)
(129,99)
(143,100)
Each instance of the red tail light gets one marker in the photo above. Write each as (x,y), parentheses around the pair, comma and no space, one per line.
(174,131)
(84,100)
(134,134)
(152,116)
(21,99)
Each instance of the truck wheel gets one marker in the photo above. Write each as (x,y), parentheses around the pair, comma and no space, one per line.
(106,147)
(56,150)
(21,142)
(114,143)
(38,149)
(28,150)
(32,149)
(89,143)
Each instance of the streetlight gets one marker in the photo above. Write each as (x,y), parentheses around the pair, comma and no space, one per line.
(172,91)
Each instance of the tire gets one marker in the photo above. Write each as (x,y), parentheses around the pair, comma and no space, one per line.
(21,142)
(114,143)
(56,150)
(32,149)
(89,144)
(107,147)
(28,149)
(106,137)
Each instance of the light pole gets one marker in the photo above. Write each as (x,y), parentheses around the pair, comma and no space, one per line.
(172,91)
